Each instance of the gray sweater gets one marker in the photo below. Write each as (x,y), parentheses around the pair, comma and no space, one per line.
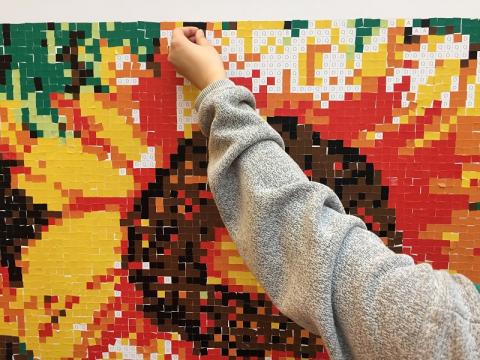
(320,266)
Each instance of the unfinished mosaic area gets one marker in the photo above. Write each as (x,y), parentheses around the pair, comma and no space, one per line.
(110,242)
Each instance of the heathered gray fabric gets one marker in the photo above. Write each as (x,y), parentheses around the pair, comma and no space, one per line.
(320,266)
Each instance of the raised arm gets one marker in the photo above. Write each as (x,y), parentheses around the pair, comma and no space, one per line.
(320,266)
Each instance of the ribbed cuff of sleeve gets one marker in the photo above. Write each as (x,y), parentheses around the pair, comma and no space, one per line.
(217,84)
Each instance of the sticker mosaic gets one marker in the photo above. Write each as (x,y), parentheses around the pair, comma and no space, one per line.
(111,246)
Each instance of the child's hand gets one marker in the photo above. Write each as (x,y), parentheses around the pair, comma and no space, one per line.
(194,58)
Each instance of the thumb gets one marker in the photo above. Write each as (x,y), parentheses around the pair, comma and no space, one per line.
(200,38)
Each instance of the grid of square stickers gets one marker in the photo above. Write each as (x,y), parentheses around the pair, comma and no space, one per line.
(110,242)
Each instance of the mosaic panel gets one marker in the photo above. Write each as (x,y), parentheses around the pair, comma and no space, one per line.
(110,242)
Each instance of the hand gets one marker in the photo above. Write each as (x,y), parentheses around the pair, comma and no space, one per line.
(194,58)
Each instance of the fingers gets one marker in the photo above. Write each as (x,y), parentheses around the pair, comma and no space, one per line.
(181,34)
(189,31)
(200,38)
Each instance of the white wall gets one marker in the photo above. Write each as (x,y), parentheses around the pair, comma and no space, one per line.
(18,11)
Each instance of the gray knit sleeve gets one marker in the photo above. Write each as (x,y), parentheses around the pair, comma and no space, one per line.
(320,266)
